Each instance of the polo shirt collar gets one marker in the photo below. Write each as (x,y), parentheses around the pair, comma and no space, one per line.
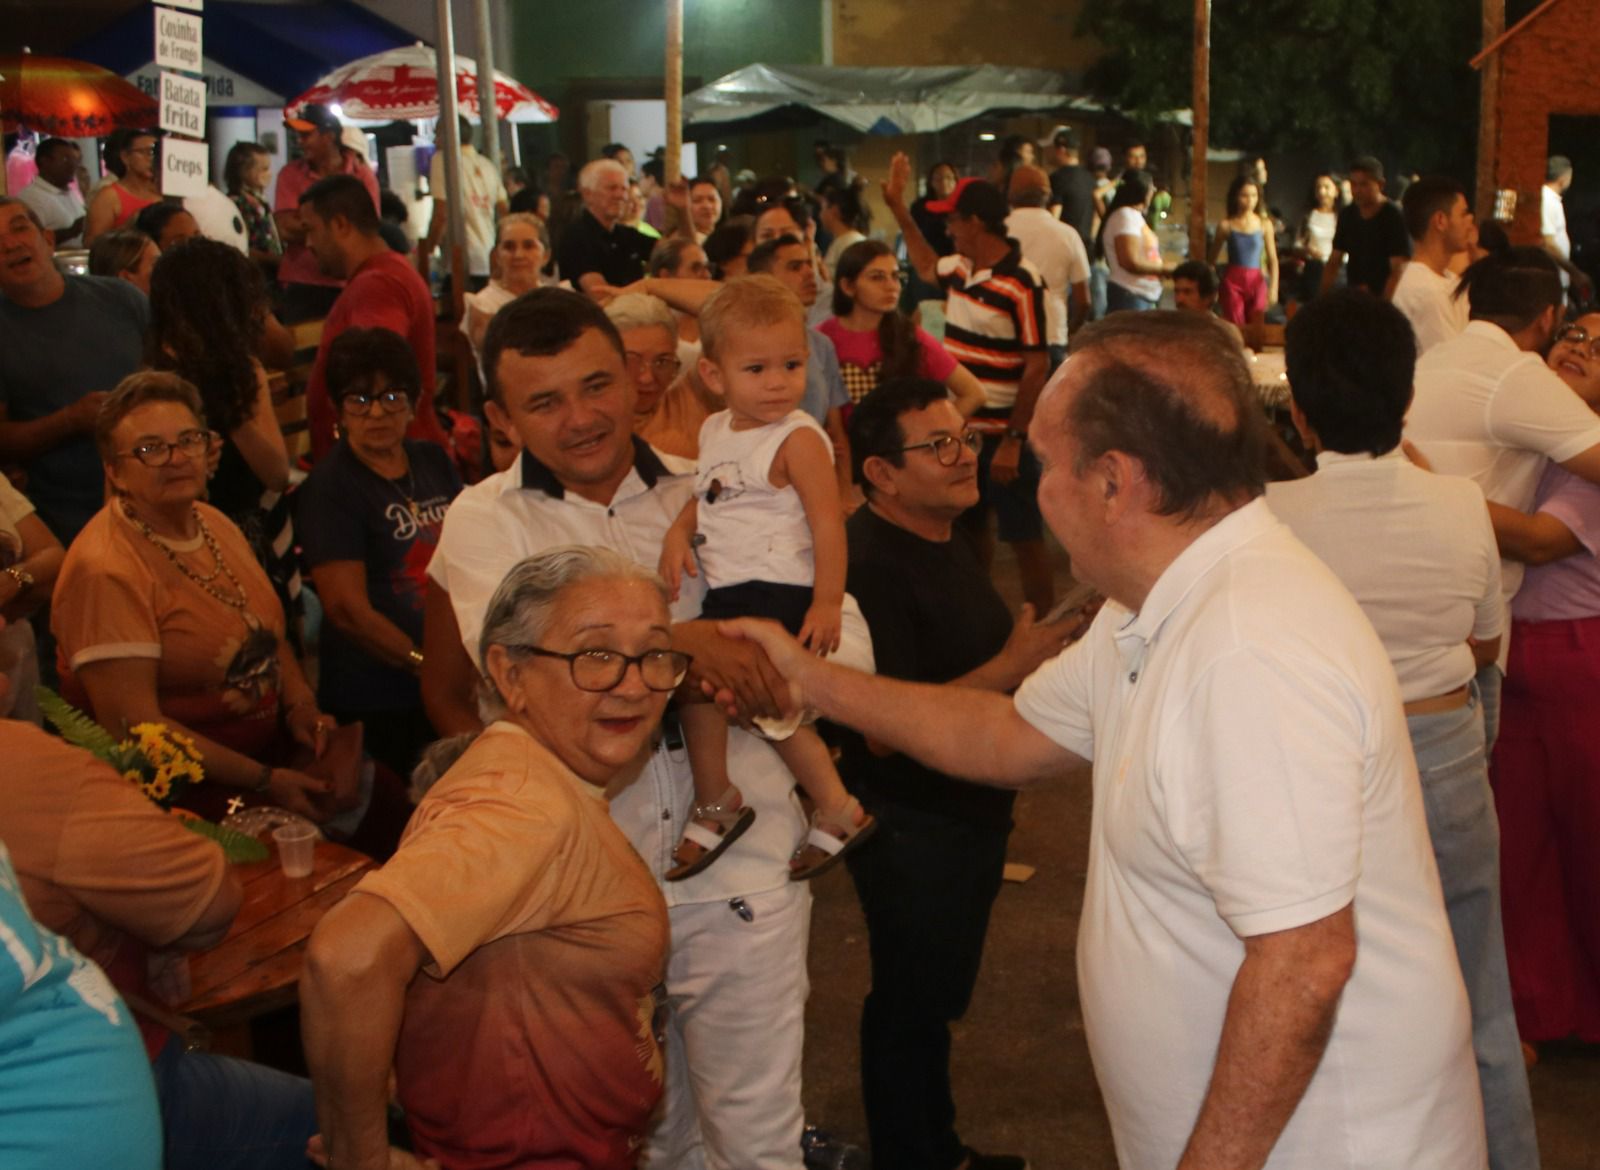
(535,476)
(1327,459)
(49,187)
(1010,262)
(1189,568)
(1489,331)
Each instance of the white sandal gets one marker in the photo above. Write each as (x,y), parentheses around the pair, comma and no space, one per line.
(730,826)
(833,836)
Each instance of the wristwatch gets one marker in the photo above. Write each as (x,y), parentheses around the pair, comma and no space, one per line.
(22,577)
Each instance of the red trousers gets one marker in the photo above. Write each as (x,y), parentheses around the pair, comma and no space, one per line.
(1546,777)
(1242,294)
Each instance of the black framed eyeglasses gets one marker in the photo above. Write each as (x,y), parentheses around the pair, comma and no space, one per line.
(947,448)
(603,670)
(158,452)
(389,402)
(1578,337)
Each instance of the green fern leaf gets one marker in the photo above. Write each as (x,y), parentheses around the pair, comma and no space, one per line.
(76,727)
(239,848)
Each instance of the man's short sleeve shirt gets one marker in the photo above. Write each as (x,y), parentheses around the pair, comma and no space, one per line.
(1370,244)
(619,255)
(994,318)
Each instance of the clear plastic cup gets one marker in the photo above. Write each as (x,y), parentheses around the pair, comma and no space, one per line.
(296,843)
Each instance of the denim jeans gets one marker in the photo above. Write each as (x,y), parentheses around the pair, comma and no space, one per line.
(1466,846)
(1119,299)
(219,1113)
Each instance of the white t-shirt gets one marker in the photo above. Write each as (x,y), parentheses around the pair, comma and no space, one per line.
(481,190)
(522,511)
(1553,220)
(1056,250)
(1320,229)
(1127,221)
(1417,551)
(56,209)
(1486,410)
(1425,297)
(753,531)
(1253,773)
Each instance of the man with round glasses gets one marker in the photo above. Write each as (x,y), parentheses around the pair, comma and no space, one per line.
(927,885)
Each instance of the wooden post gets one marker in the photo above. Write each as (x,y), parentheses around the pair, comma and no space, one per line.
(448,138)
(674,90)
(1201,109)
(1494,24)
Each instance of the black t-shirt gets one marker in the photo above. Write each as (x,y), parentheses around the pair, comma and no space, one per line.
(934,616)
(345,511)
(1368,245)
(620,255)
(1073,189)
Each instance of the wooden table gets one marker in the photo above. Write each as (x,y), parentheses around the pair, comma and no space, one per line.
(256,968)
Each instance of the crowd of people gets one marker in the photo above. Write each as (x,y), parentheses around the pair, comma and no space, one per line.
(1339,880)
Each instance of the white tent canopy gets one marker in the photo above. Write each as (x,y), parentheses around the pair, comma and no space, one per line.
(883,100)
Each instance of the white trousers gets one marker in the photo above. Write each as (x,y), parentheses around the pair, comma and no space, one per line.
(738,995)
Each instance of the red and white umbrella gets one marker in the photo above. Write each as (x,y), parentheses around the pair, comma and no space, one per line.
(402,84)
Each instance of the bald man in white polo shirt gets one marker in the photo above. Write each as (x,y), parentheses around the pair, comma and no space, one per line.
(1265,965)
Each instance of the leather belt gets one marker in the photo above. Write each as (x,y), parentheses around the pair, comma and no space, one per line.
(1449,701)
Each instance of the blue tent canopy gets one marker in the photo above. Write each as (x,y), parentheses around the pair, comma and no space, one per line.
(285,48)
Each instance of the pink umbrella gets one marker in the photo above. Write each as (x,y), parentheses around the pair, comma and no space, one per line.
(402,84)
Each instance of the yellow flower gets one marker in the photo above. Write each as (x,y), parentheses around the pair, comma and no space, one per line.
(134,774)
(159,788)
(184,742)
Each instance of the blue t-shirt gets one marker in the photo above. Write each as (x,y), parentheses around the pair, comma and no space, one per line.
(824,384)
(89,339)
(345,511)
(75,1086)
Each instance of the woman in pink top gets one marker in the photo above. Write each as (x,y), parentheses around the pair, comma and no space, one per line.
(505,960)
(875,341)
(133,161)
(1546,771)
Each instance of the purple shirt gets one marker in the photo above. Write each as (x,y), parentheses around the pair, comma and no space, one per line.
(1567,589)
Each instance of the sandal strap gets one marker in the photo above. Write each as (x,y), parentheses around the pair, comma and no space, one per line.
(822,839)
(702,836)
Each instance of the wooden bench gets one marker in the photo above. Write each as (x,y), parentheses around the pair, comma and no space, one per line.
(289,390)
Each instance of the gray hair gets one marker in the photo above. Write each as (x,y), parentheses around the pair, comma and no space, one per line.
(589,177)
(667,255)
(519,612)
(641,311)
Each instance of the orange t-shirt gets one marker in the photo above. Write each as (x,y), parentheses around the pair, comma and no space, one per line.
(527,1039)
(119,596)
(674,427)
(99,864)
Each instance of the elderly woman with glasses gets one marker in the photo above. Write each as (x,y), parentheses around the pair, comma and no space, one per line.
(667,408)
(369,516)
(505,960)
(162,615)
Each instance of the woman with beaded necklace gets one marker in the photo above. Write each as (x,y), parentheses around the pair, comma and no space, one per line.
(162,615)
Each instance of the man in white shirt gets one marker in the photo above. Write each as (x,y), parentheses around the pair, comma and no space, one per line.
(50,195)
(736,978)
(484,200)
(1488,408)
(1441,228)
(1257,822)
(1552,210)
(1418,553)
(1056,250)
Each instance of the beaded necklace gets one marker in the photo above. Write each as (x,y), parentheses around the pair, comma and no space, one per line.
(238,602)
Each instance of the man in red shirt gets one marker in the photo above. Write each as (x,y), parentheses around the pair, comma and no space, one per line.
(308,291)
(382,291)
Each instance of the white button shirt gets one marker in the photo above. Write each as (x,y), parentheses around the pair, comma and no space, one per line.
(522,511)
(1253,773)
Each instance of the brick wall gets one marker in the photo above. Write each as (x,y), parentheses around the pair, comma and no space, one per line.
(1550,67)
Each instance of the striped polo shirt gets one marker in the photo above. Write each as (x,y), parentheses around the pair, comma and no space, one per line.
(993,319)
